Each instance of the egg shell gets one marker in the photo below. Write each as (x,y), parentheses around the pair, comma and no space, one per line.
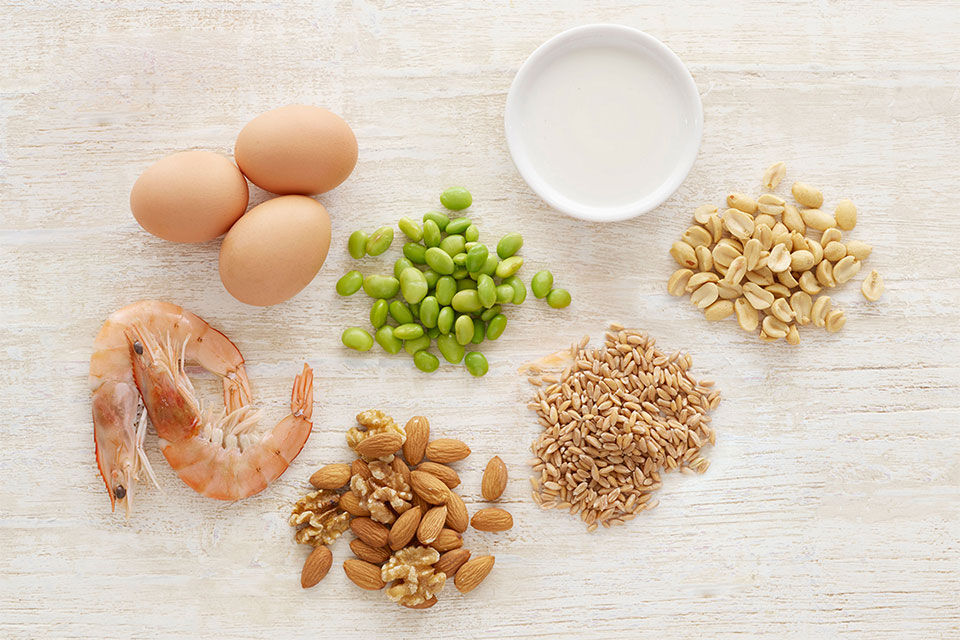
(192,196)
(296,149)
(275,250)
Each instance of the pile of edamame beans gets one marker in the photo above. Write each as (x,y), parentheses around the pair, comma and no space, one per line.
(447,287)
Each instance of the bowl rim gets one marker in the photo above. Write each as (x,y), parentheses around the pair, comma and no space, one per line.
(552,196)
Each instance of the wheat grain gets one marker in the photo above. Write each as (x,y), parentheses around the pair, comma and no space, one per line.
(612,421)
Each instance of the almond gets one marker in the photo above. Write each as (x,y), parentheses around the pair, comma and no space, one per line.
(442,471)
(380,445)
(431,525)
(452,560)
(494,479)
(399,466)
(316,567)
(363,574)
(444,450)
(373,533)
(429,487)
(457,517)
(332,476)
(360,468)
(374,555)
(447,540)
(472,573)
(491,519)
(351,504)
(420,502)
(404,528)
(418,434)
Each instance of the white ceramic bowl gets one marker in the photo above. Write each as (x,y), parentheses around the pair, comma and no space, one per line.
(638,43)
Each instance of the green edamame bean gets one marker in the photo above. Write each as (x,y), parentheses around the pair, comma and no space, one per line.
(451,350)
(400,312)
(432,333)
(414,252)
(440,219)
(378,313)
(432,277)
(380,241)
(472,233)
(409,331)
(519,289)
(476,258)
(386,339)
(490,265)
(541,283)
(415,309)
(417,344)
(508,267)
(460,273)
(429,311)
(466,283)
(446,287)
(460,259)
(495,326)
(464,328)
(458,226)
(453,245)
(431,233)
(558,298)
(439,260)
(349,283)
(504,293)
(469,245)
(489,313)
(445,320)
(398,266)
(357,338)
(479,329)
(509,245)
(476,364)
(377,286)
(357,244)
(456,198)
(410,229)
(487,290)
(413,285)
(426,361)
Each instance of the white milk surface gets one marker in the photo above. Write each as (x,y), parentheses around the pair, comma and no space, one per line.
(600,125)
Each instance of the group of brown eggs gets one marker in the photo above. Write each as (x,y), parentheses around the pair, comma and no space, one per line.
(274,250)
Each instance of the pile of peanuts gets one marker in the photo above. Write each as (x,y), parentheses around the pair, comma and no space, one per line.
(759,260)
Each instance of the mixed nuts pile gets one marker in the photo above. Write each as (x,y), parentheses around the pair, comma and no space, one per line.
(759,260)
(408,521)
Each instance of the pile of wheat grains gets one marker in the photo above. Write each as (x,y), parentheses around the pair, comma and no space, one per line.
(613,420)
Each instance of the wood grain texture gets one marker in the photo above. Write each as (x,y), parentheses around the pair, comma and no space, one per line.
(832,506)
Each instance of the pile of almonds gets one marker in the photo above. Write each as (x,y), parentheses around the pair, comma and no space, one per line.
(762,260)
(408,521)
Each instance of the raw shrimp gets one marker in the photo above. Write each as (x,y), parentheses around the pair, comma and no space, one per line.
(140,354)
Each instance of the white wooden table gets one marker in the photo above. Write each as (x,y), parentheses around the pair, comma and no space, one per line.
(832,507)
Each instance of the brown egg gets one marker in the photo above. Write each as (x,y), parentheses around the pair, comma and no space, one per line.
(296,149)
(275,250)
(192,196)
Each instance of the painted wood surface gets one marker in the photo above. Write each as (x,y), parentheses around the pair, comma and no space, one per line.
(832,506)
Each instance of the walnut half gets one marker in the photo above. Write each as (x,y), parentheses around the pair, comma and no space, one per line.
(318,518)
(372,421)
(384,490)
(416,581)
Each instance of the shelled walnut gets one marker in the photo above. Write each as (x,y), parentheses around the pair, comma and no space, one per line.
(385,494)
(371,422)
(318,518)
(416,581)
